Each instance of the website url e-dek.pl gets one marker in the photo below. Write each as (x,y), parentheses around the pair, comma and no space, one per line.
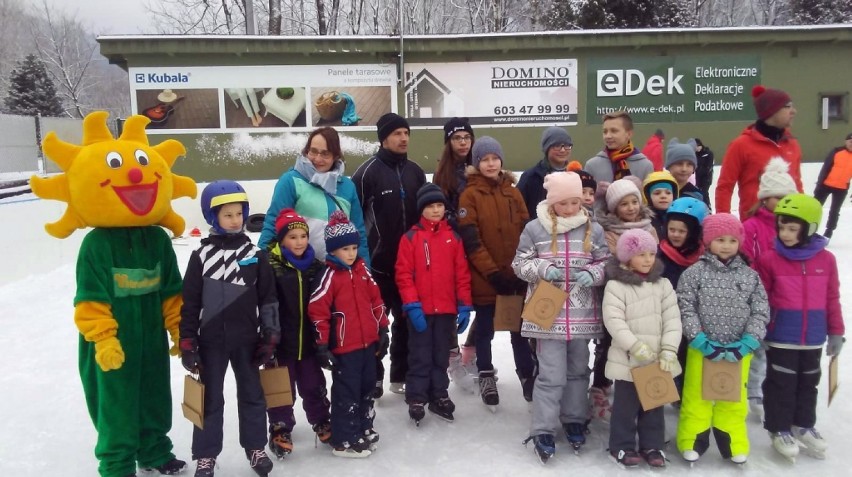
(700,107)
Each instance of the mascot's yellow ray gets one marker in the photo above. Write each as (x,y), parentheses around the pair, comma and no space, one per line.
(109,182)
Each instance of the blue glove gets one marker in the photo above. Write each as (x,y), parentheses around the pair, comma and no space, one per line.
(463,318)
(584,279)
(414,311)
(738,349)
(554,274)
(835,343)
(712,350)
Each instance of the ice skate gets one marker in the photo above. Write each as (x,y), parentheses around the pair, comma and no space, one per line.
(460,374)
(740,459)
(323,432)
(372,438)
(397,388)
(655,458)
(379,390)
(543,445)
(755,407)
(358,450)
(280,442)
(691,457)
(259,462)
(172,467)
(626,459)
(601,407)
(205,467)
(488,390)
(416,411)
(786,445)
(575,433)
(810,441)
(443,408)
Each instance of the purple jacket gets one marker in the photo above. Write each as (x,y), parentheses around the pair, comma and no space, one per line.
(758,234)
(804,293)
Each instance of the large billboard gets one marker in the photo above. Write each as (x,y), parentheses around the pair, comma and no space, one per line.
(497,93)
(673,89)
(263,98)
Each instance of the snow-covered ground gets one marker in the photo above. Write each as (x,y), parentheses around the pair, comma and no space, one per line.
(46,429)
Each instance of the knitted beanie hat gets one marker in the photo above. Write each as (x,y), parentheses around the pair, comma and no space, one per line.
(561,186)
(776,180)
(768,101)
(429,193)
(587,179)
(718,225)
(554,136)
(288,220)
(389,123)
(484,146)
(618,190)
(675,151)
(632,243)
(574,166)
(455,125)
(340,232)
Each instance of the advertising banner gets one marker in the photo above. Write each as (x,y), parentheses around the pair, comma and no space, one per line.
(499,93)
(673,89)
(263,98)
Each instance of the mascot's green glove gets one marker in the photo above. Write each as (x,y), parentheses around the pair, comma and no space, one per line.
(108,354)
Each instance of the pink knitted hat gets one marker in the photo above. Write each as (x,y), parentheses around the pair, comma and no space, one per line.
(632,243)
(562,185)
(718,225)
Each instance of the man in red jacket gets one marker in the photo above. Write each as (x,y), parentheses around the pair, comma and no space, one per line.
(749,153)
(653,149)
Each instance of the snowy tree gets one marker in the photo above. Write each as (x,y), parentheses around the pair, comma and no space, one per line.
(602,14)
(31,91)
(819,12)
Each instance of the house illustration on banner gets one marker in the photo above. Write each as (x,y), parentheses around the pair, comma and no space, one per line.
(427,97)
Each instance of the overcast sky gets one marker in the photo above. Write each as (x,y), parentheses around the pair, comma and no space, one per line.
(109,17)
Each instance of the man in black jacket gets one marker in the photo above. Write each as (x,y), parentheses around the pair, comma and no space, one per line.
(387,186)
(704,172)
(556,145)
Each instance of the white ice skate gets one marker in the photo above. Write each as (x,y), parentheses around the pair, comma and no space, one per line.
(739,459)
(461,376)
(785,444)
(690,456)
(810,441)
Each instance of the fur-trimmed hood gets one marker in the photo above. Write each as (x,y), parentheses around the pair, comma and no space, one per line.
(615,271)
(610,222)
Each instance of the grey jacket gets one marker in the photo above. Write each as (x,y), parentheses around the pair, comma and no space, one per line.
(600,166)
(723,301)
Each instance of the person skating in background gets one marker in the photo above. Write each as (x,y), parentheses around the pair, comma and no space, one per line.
(624,211)
(434,282)
(619,158)
(315,187)
(230,282)
(801,279)
(450,177)
(565,247)
(640,312)
(556,145)
(748,154)
(296,268)
(724,310)
(653,149)
(759,237)
(659,191)
(387,186)
(834,181)
(704,171)
(351,334)
(492,215)
(682,163)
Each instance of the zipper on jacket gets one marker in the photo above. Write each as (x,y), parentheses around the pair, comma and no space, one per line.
(401,193)
(301,314)
(804,304)
(428,257)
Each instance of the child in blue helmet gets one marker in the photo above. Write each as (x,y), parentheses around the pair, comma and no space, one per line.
(230,281)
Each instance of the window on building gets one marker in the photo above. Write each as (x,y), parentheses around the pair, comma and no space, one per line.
(836,105)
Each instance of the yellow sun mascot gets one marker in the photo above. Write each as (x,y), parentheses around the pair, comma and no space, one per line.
(128,284)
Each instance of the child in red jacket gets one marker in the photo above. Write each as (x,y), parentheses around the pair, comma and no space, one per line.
(352,330)
(434,283)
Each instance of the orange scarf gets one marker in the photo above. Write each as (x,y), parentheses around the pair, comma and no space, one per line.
(620,169)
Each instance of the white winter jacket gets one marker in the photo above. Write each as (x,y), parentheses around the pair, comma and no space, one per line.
(638,308)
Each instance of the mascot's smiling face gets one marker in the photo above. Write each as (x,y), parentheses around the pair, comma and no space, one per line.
(111,182)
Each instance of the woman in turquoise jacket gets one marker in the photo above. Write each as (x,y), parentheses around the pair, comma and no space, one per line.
(315,187)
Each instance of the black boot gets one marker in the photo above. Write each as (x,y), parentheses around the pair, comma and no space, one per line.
(443,408)
(172,467)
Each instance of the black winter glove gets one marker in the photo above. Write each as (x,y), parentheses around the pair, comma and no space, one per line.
(266,348)
(326,358)
(384,343)
(189,357)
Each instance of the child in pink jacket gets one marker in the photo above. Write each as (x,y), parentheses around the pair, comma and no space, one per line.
(801,280)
